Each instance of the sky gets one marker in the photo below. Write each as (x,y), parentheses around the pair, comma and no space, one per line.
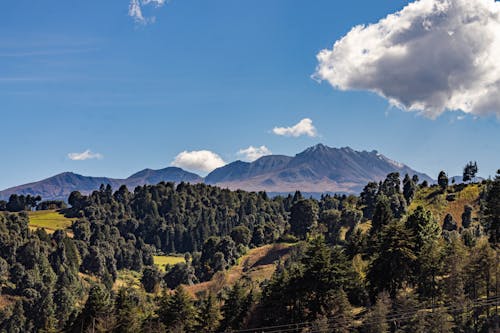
(107,88)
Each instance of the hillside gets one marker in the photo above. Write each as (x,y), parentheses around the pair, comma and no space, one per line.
(256,266)
(452,201)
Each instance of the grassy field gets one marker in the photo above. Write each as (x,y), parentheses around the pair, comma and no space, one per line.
(435,201)
(49,220)
(162,261)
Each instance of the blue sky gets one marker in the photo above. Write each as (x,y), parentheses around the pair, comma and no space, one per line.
(205,75)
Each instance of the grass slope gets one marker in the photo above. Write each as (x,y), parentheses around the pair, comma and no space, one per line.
(257,265)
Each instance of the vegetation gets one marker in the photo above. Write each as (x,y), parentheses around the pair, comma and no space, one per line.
(163,261)
(401,257)
(49,220)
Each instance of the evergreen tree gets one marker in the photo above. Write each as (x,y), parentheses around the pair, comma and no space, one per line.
(303,216)
(382,215)
(424,227)
(177,311)
(236,307)
(151,278)
(492,214)
(467,216)
(443,180)
(376,320)
(439,321)
(97,312)
(470,171)
(209,315)
(369,199)
(409,189)
(126,311)
(394,259)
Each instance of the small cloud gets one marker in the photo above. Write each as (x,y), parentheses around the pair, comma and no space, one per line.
(135,10)
(432,56)
(200,160)
(86,155)
(253,153)
(303,127)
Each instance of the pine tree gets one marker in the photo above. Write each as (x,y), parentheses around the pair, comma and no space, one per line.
(394,259)
(126,311)
(470,171)
(303,217)
(382,215)
(177,311)
(424,227)
(443,180)
(376,320)
(236,307)
(409,189)
(369,199)
(492,214)
(457,257)
(209,315)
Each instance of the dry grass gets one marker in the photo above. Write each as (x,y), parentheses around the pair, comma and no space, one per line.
(342,233)
(7,301)
(257,265)
(365,226)
(435,201)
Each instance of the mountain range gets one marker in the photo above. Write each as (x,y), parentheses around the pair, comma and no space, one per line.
(318,169)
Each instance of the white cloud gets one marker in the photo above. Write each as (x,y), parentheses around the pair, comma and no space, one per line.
(135,10)
(432,56)
(86,155)
(253,153)
(303,127)
(201,160)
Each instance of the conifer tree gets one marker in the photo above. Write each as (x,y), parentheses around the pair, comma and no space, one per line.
(394,259)
(209,315)
(177,311)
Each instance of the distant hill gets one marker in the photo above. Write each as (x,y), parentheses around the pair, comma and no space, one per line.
(459,180)
(316,170)
(60,186)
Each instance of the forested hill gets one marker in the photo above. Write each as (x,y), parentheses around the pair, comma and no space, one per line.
(403,256)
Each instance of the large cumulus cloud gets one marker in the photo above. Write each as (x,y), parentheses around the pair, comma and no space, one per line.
(198,160)
(432,56)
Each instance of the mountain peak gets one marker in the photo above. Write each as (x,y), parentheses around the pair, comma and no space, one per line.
(316,150)
(317,147)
